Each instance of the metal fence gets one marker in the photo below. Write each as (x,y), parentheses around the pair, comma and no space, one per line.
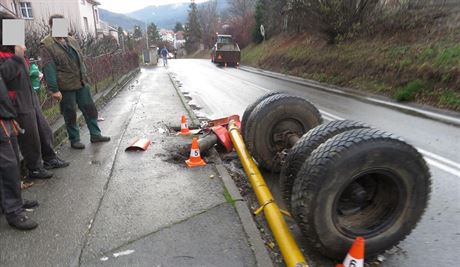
(110,67)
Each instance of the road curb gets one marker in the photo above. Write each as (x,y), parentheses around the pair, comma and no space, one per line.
(255,240)
(249,226)
(100,99)
(451,117)
(194,119)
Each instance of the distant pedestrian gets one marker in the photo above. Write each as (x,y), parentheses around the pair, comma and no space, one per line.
(36,143)
(66,77)
(164,55)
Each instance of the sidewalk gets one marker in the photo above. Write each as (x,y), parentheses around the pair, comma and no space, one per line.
(154,211)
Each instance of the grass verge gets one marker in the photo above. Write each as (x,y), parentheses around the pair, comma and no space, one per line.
(420,65)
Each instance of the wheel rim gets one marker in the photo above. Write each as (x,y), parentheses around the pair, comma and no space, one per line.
(370,204)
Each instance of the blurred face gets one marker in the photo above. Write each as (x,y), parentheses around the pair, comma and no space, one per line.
(61,40)
(20,50)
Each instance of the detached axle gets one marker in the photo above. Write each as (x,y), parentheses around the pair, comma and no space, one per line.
(339,179)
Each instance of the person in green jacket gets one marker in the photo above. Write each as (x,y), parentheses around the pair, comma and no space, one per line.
(65,75)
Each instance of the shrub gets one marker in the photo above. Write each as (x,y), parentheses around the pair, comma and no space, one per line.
(332,17)
(451,99)
(408,92)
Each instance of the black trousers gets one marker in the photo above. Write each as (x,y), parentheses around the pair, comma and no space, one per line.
(10,183)
(36,143)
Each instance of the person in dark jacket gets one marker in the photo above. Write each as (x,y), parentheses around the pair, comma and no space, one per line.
(65,75)
(36,143)
(164,55)
(11,202)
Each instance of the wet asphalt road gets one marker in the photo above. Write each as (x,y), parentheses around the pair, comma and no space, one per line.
(220,92)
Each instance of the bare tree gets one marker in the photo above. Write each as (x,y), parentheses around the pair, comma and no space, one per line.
(33,37)
(242,20)
(241,8)
(270,13)
(192,29)
(209,21)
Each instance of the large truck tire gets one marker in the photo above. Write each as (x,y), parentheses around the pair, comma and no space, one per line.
(273,119)
(250,108)
(360,183)
(300,152)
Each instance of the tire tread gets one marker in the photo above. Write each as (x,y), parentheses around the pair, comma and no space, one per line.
(300,152)
(309,182)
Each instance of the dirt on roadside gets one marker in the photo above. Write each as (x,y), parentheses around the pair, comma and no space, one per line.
(235,169)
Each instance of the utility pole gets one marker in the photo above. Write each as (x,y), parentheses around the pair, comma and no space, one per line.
(123,40)
(147,35)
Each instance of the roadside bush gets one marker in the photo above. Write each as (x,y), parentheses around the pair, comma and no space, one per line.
(406,22)
(408,92)
(450,99)
(33,36)
(90,45)
(93,47)
(449,56)
(333,18)
(240,29)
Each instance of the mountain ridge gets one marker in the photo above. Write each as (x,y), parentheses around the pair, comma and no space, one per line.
(164,16)
(120,20)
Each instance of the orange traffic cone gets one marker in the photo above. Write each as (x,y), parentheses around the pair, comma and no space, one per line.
(184,126)
(195,159)
(355,257)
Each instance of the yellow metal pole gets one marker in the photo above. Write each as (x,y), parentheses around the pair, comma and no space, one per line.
(289,249)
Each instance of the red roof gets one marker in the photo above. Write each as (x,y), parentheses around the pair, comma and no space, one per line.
(180,35)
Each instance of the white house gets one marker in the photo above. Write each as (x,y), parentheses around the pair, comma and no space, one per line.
(167,35)
(105,29)
(8,8)
(82,14)
(179,39)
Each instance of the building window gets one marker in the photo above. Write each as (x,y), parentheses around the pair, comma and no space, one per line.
(85,19)
(83,2)
(26,10)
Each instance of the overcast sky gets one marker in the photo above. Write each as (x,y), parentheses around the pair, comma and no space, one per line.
(122,6)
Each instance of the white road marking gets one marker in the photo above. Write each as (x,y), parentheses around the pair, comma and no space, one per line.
(445,161)
(330,115)
(123,253)
(437,161)
(257,86)
(442,166)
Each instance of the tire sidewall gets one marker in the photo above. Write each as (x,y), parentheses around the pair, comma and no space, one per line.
(340,173)
(302,150)
(249,109)
(268,117)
